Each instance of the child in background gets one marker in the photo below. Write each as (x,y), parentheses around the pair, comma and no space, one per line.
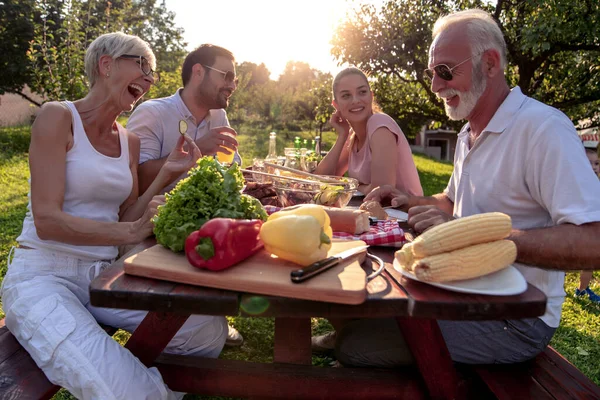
(591,151)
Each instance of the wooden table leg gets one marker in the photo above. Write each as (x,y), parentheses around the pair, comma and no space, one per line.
(292,341)
(154,334)
(427,345)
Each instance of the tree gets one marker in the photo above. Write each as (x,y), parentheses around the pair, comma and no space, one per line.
(16,30)
(297,74)
(155,24)
(297,103)
(258,74)
(57,50)
(168,85)
(254,98)
(554,53)
(51,37)
(321,91)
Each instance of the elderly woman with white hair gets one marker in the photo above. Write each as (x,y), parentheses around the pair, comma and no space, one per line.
(83,204)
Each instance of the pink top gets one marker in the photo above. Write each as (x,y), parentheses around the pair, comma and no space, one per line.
(359,163)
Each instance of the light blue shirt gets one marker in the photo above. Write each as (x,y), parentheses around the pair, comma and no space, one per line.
(156,123)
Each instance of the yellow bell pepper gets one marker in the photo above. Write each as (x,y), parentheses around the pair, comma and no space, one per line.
(297,238)
(307,209)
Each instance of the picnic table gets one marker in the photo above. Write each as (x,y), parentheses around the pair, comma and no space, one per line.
(415,306)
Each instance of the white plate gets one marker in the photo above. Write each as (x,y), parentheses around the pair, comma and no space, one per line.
(506,282)
(358,193)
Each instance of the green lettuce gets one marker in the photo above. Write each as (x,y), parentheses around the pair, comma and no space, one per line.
(209,191)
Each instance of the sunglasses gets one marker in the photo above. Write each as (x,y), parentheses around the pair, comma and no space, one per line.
(229,76)
(144,66)
(444,71)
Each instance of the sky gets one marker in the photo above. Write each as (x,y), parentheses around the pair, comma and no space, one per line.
(272,32)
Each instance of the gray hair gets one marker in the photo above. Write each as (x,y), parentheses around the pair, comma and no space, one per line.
(114,45)
(482,30)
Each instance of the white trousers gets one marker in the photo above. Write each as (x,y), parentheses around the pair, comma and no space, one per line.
(45,297)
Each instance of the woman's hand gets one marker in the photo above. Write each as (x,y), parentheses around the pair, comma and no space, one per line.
(340,124)
(144,226)
(180,160)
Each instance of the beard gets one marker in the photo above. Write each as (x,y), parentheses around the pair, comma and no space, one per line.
(467,100)
(222,99)
(212,100)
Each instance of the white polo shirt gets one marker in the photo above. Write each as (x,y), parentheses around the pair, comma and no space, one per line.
(528,163)
(156,123)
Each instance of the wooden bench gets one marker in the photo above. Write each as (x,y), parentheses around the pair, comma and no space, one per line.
(20,377)
(548,376)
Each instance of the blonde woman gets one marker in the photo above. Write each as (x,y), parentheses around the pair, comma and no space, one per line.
(83,204)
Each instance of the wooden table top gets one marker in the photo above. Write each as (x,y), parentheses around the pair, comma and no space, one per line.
(388,295)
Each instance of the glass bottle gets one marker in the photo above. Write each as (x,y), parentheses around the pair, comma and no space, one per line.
(303,166)
(272,156)
(318,146)
(303,151)
(297,144)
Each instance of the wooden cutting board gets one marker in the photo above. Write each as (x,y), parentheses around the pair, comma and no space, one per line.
(262,273)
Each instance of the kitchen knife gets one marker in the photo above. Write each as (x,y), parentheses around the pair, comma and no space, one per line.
(305,273)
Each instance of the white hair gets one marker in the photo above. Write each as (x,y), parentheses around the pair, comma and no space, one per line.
(114,45)
(482,30)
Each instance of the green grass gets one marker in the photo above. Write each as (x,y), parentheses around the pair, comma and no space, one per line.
(14,173)
(578,337)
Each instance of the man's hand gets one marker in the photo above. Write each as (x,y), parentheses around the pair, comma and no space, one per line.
(221,138)
(388,195)
(180,161)
(421,218)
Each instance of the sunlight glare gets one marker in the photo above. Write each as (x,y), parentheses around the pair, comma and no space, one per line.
(266,31)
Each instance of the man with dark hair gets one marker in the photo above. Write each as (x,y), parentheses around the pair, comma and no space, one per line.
(209,80)
(208,76)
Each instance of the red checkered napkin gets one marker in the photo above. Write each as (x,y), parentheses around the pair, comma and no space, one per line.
(384,233)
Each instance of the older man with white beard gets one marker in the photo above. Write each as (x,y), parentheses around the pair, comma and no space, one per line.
(515,155)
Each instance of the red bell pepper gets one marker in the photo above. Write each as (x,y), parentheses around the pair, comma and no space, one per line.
(223,242)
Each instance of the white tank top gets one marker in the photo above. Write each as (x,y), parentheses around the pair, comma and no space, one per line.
(95,187)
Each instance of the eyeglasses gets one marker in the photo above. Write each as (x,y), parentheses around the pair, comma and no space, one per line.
(444,71)
(229,76)
(144,66)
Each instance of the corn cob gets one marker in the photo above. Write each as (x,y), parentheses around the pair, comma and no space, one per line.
(462,232)
(467,263)
(405,256)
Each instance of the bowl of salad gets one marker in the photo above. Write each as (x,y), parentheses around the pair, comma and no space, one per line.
(336,192)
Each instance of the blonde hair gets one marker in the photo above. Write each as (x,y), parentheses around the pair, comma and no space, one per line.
(482,30)
(352,70)
(114,45)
